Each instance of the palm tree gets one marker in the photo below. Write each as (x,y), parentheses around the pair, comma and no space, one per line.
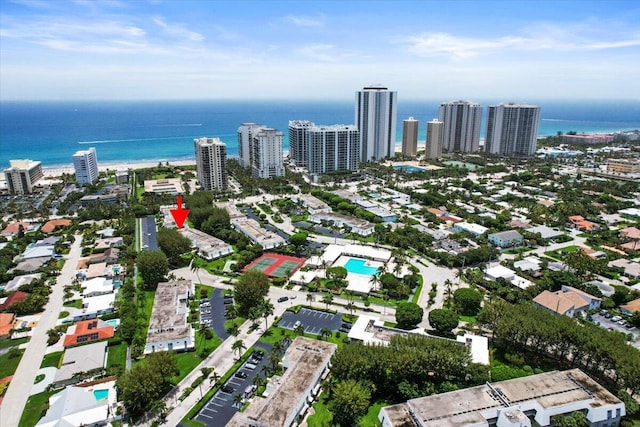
(194,267)
(278,347)
(375,281)
(448,285)
(214,377)
(327,299)
(233,329)
(325,332)
(274,359)
(238,400)
(351,307)
(238,346)
(310,298)
(267,310)
(459,275)
(299,330)
(259,381)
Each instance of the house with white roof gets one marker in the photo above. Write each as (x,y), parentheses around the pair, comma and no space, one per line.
(471,228)
(75,406)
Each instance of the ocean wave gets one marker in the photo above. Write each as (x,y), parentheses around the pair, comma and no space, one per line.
(107,141)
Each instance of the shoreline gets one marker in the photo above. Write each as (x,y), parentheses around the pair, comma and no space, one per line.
(58,170)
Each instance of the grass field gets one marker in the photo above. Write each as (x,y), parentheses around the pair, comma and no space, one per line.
(117,355)
(35,408)
(9,365)
(13,343)
(187,361)
(52,360)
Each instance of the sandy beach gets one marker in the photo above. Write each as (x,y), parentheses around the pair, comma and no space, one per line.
(103,167)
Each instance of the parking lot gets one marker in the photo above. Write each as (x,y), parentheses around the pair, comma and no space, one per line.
(212,312)
(312,320)
(615,326)
(219,410)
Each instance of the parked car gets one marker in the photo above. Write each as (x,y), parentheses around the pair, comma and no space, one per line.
(603,312)
(228,301)
(227,296)
(283,299)
(240,374)
(608,315)
(227,389)
(616,318)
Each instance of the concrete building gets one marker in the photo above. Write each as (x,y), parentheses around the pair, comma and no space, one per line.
(311,203)
(245,142)
(583,138)
(299,141)
(461,126)
(567,301)
(209,247)
(77,361)
(471,228)
(122,176)
(623,165)
(306,363)
(375,117)
(355,225)
(257,234)
(512,129)
(85,165)
(520,402)
(333,148)
(171,186)
(22,176)
(410,137)
(266,149)
(211,163)
(169,327)
(505,239)
(435,135)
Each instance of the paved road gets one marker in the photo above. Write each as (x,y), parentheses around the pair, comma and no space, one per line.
(18,392)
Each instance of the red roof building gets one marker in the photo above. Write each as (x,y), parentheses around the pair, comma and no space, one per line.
(50,226)
(86,331)
(13,298)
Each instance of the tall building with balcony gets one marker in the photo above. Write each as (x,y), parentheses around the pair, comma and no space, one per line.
(22,175)
(433,148)
(333,148)
(462,121)
(299,141)
(85,165)
(245,142)
(211,163)
(375,117)
(266,149)
(410,137)
(512,129)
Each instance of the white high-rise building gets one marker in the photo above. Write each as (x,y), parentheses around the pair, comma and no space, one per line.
(22,175)
(211,163)
(266,150)
(433,148)
(85,164)
(410,137)
(333,148)
(245,139)
(462,121)
(512,129)
(299,141)
(375,117)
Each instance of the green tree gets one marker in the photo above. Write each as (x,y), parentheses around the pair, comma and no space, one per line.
(238,347)
(266,310)
(299,330)
(298,240)
(327,300)
(408,314)
(173,244)
(575,419)
(350,401)
(468,301)
(250,290)
(325,333)
(337,275)
(153,267)
(443,320)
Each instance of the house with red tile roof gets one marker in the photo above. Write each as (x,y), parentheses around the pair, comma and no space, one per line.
(13,298)
(87,331)
(578,222)
(14,228)
(50,226)
(6,324)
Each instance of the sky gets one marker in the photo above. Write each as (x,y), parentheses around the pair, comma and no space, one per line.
(170,49)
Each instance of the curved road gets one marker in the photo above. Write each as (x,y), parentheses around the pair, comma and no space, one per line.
(18,392)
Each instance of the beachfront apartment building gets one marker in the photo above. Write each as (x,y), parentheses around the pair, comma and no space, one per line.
(435,135)
(266,149)
(211,163)
(461,126)
(22,176)
(333,148)
(299,141)
(512,129)
(85,165)
(375,118)
(245,142)
(410,137)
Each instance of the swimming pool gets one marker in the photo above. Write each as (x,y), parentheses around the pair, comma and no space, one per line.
(409,168)
(114,323)
(357,266)
(101,394)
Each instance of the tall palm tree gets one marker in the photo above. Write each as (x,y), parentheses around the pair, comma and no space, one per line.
(214,377)
(278,347)
(375,281)
(258,381)
(194,267)
(267,310)
(238,400)
(448,285)
(351,307)
(327,299)
(310,298)
(325,333)
(299,330)
(238,347)
(233,329)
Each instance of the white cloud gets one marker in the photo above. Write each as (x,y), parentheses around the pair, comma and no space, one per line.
(305,21)
(178,30)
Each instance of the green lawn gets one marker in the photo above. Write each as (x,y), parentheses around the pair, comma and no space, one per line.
(322,416)
(469,319)
(371,418)
(63,314)
(9,365)
(117,355)
(76,303)
(12,343)
(35,409)
(187,361)
(563,251)
(208,289)
(52,360)
(238,321)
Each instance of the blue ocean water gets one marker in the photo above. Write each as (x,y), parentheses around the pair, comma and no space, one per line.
(127,131)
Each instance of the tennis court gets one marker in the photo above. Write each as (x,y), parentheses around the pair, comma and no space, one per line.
(275,265)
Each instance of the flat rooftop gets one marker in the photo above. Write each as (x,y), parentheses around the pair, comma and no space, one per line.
(257,233)
(169,314)
(202,239)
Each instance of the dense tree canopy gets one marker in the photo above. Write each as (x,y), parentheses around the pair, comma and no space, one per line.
(468,301)
(443,320)
(173,244)
(350,400)
(153,267)
(408,314)
(250,290)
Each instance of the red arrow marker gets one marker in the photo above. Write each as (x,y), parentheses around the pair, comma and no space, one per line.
(179,215)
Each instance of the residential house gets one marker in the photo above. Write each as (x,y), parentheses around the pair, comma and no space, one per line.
(51,226)
(545,232)
(87,331)
(629,268)
(13,228)
(75,406)
(80,361)
(13,298)
(567,301)
(96,286)
(578,222)
(208,247)
(631,307)
(471,228)
(506,239)
(6,325)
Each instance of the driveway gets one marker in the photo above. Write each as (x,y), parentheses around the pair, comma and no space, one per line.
(312,320)
(217,314)
(49,374)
